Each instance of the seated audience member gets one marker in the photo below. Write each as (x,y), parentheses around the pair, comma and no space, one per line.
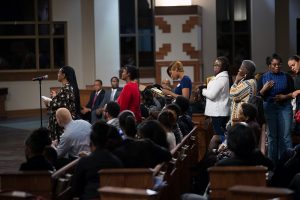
(138,153)
(287,167)
(110,95)
(154,131)
(34,147)
(241,141)
(179,127)
(149,104)
(75,137)
(111,112)
(85,181)
(168,119)
(95,100)
(184,118)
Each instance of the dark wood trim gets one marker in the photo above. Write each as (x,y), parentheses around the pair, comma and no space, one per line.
(147,72)
(25,113)
(178,10)
(27,76)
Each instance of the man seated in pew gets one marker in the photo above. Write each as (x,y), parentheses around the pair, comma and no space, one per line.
(138,153)
(110,95)
(34,148)
(111,112)
(104,138)
(75,137)
(95,100)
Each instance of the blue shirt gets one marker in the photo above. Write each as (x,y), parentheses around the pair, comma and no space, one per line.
(185,82)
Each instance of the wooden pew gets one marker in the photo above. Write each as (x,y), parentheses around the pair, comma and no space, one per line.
(175,173)
(246,192)
(203,122)
(222,178)
(35,182)
(141,178)
(16,195)
(123,193)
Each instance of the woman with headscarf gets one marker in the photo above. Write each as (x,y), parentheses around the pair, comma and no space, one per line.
(276,88)
(66,97)
(243,88)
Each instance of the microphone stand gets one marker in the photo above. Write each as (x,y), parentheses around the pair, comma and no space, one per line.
(41,113)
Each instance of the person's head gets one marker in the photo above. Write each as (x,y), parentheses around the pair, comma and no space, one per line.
(63,117)
(166,82)
(168,119)
(176,69)
(97,85)
(174,107)
(183,103)
(247,69)
(130,73)
(248,112)
(241,140)
(104,136)
(154,131)
(147,96)
(37,141)
(221,64)
(274,63)
(114,81)
(127,123)
(112,110)
(294,63)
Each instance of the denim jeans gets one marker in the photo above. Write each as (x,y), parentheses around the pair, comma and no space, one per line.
(279,118)
(219,126)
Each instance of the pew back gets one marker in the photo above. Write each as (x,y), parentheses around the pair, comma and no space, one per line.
(222,178)
(122,193)
(35,182)
(246,192)
(141,178)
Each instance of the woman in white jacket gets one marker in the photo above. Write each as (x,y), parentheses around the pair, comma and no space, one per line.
(217,96)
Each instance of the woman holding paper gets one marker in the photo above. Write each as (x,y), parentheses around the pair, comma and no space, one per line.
(67,97)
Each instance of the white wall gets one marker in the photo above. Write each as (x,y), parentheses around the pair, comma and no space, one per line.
(107,45)
(263,31)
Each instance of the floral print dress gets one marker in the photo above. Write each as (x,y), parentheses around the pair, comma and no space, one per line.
(65,98)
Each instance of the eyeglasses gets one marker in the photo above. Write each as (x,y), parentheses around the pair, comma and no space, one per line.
(217,65)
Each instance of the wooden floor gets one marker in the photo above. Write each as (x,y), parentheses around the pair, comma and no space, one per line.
(13,133)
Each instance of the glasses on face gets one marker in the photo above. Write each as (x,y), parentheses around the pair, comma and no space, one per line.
(217,65)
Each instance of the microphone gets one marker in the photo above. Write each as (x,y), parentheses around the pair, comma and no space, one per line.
(39,78)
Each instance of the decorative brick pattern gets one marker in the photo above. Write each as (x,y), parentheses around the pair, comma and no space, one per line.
(190,24)
(162,24)
(190,50)
(163,51)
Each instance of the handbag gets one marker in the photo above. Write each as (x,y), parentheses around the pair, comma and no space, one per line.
(297,116)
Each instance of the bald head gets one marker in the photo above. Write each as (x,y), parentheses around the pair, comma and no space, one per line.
(63,117)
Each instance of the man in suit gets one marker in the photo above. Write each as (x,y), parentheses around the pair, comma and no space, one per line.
(96,98)
(110,95)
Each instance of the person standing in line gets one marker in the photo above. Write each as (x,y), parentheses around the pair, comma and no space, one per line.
(67,97)
(129,98)
(217,97)
(276,88)
(184,87)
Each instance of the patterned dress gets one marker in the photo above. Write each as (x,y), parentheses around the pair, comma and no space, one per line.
(241,93)
(65,98)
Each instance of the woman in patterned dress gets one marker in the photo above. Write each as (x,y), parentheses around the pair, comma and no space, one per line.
(67,96)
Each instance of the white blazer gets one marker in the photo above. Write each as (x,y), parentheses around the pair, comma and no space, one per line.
(217,96)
